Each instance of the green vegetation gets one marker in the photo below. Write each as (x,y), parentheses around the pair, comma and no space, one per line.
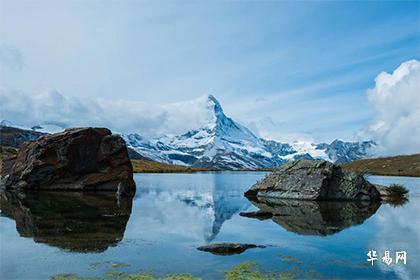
(118,275)
(249,271)
(387,166)
(397,190)
(397,195)
(242,271)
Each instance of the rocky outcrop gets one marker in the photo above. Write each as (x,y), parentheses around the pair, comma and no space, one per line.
(73,221)
(314,180)
(226,249)
(82,159)
(316,217)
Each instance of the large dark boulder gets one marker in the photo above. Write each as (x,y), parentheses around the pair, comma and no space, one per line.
(314,180)
(82,159)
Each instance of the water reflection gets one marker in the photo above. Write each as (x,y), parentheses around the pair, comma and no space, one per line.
(74,221)
(316,217)
(193,206)
(173,214)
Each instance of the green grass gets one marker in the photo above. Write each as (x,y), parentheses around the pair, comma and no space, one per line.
(242,271)
(119,275)
(247,271)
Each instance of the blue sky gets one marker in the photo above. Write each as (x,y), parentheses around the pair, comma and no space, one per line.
(286,69)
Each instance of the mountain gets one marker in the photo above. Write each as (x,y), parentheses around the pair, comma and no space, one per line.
(14,137)
(218,143)
(223,143)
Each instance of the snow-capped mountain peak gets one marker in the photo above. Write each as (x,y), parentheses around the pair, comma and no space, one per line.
(221,142)
(214,105)
(217,141)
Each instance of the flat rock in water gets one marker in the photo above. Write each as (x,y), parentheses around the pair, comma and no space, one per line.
(260,215)
(76,159)
(226,249)
(314,180)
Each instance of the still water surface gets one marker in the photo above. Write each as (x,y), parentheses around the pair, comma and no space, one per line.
(171,214)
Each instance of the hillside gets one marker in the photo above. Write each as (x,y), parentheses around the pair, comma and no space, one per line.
(150,166)
(387,166)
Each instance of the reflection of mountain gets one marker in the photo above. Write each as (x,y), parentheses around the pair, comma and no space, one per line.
(81,222)
(198,208)
(317,217)
(224,208)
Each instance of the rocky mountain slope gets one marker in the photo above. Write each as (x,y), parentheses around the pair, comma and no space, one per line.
(225,144)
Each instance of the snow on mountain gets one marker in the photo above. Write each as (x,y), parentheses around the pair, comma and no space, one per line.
(219,143)
(222,143)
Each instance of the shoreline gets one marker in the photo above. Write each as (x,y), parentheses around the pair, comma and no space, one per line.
(250,170)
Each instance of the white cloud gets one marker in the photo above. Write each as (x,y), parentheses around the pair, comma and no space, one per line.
(52,107)
(396,99)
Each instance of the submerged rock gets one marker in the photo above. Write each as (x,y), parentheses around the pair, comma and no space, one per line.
(75,159)
(316,217)
(260,215)
(226,249)
(73,221)
(314,180)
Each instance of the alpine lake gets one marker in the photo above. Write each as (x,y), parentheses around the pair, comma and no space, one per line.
(57,235)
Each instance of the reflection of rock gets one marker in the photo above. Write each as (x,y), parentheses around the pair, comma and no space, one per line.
(76,159)
(260,215)
(316,217)
(226,249)
(75,221)
(314,180)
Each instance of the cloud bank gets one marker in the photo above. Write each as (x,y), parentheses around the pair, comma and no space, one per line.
(396,99)
(53,108)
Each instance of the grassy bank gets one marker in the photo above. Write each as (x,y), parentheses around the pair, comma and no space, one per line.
(150,166)
(387,166)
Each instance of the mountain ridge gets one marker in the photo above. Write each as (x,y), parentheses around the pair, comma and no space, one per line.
(222,143)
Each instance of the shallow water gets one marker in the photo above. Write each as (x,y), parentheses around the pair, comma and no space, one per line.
(172,214)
